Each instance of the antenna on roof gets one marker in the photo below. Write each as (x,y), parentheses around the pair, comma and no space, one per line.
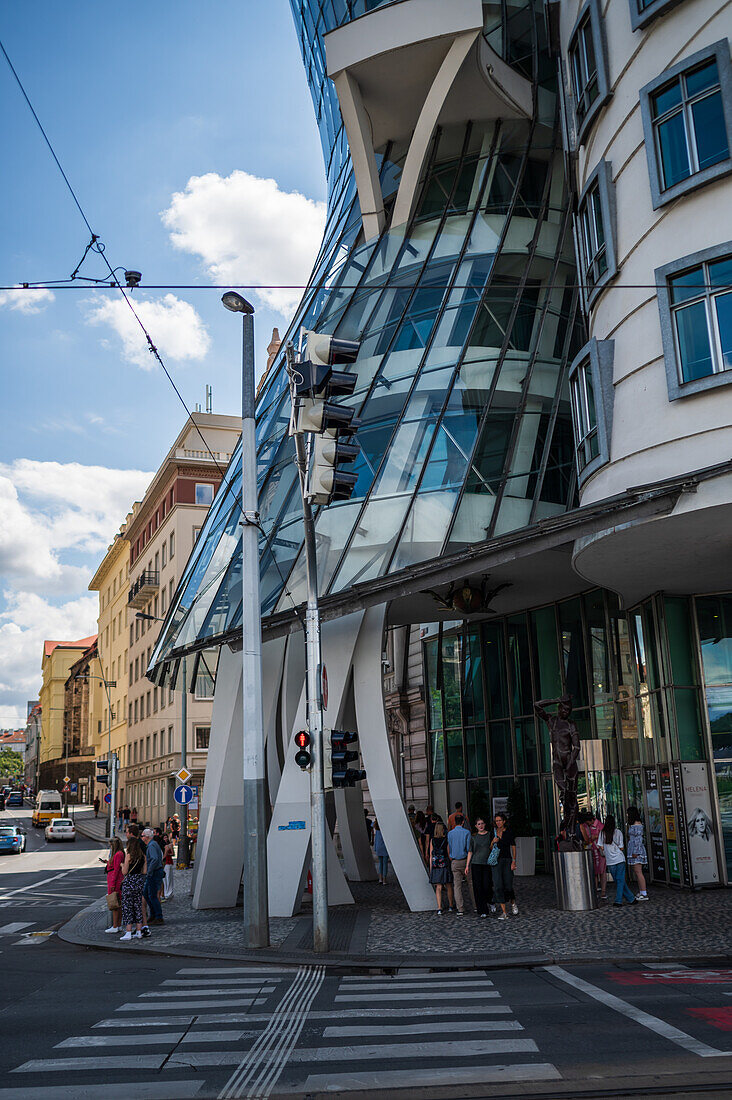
(209,399)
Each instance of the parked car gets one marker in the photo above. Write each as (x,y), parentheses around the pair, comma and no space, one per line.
(61,828)
(15,798)
(2,801)
(12,839)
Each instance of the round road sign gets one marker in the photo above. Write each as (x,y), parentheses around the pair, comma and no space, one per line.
(108,797)
(183,795)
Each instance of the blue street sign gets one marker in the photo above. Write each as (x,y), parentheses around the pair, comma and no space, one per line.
(108,797)
(74,787)
(183,795)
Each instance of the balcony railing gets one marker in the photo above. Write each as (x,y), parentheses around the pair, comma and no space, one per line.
(144,588)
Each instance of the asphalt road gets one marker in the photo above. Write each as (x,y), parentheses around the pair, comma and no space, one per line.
(84,1023)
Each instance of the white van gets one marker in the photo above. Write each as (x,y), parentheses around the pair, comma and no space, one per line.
(48,805)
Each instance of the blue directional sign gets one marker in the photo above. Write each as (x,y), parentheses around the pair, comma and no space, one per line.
(183,795)
(74,787)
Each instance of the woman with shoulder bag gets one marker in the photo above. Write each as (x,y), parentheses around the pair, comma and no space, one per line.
(133,884)
(503,860)
(114,884)
(440,870)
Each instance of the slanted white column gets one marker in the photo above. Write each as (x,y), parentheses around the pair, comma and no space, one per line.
(358,131)
(383,787)
(357,854)
(288,844)
(220,845)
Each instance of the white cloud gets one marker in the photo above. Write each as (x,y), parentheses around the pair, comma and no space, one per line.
(247,231)
(175,327)
(26,300)
(51,509)
(26,622)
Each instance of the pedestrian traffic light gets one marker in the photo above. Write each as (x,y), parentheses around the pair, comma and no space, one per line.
(103,771)
(341,756)
(303,758)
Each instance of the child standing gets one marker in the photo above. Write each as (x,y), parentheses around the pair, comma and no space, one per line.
(637,855)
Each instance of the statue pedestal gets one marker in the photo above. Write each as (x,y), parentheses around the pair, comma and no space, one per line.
(574,881)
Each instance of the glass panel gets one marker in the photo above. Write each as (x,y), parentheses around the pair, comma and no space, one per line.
(495,670)
(519,665)
(710,131)
(373,542)
(690,284)
(527,758)
(500,741)
(475,747)
(599,650)
(438,754)
(451,679)
(425,529)
(455,758)
(668,97)
(545,654)
(715,633)
(406,455)
(688,724)
(431,653)
(473,702)
(674,151)
(720,273)
(693,338)
(680,641)
(723,307)
(573,652)
(702,78)
(723,775)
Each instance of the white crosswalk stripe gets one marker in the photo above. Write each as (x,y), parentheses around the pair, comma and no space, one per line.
(255,1033)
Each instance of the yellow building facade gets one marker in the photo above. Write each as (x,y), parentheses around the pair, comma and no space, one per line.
(58,657)
(112,582)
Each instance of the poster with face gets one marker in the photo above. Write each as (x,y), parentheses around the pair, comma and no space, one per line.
(699,824)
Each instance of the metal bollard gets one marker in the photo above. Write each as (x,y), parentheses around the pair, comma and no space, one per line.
(574,881)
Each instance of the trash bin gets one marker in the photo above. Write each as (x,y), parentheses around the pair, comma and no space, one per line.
(574,880)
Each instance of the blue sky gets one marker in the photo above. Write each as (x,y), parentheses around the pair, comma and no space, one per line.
(143,102)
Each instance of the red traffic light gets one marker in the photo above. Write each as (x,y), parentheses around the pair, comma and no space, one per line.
(302,739)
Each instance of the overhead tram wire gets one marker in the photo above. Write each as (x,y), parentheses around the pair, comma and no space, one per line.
(105,284)
(96,246)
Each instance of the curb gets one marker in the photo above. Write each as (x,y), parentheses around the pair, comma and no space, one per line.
(79,826)
(344,961)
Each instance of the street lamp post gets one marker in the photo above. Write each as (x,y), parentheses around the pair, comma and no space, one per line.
(256,909)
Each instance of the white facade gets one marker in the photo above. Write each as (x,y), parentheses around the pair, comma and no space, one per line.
(657,425)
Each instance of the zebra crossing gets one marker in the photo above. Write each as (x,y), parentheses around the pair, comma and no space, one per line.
(21,933)
(235,1032)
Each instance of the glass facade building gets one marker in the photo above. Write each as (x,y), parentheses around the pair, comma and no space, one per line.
(468,318)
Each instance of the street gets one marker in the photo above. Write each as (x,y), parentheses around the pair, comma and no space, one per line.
(169,1027)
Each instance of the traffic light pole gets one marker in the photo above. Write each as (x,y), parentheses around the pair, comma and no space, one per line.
(318,824)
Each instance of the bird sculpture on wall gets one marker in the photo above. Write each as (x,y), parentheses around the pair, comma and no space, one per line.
(466,599)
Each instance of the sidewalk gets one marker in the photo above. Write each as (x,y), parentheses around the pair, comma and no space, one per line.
(93,827)
(379,931)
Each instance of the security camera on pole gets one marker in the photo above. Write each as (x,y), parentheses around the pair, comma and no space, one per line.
(323,432)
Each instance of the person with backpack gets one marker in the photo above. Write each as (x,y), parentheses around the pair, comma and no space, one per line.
(610,843)
(440,872)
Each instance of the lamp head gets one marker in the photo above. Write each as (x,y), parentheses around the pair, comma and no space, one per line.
(236,303)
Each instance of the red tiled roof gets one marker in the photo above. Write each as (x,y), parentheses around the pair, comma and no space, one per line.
(83,643)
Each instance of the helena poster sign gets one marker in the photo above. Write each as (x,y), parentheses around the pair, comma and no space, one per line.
(699,824)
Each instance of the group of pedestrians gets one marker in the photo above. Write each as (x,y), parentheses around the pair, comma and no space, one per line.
(140,876)
(609,854)
(460,860)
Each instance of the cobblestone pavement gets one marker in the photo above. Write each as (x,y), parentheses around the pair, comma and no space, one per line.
(673,924)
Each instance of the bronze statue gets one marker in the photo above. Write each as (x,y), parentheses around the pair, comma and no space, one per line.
(566,747)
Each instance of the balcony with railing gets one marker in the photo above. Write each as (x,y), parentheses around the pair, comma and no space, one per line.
(144,588)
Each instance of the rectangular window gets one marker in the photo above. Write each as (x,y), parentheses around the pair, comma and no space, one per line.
(147,705)
(592,229)
(687,123)
(164,558)
(203,736)
(584,414)
(701,311)
(596,231)
(147,748)
(135,709)
(155,744)
(172,544)
(163,601)
(204,494)
(137,669)
(170,738)
(587,67)
(155,700)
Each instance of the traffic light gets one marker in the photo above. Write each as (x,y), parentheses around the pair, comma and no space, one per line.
(325,481)
(103,771)
(341,756)
(303,758)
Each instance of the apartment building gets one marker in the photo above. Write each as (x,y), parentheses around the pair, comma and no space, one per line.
(160,536)
(112,582)
(58,657)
